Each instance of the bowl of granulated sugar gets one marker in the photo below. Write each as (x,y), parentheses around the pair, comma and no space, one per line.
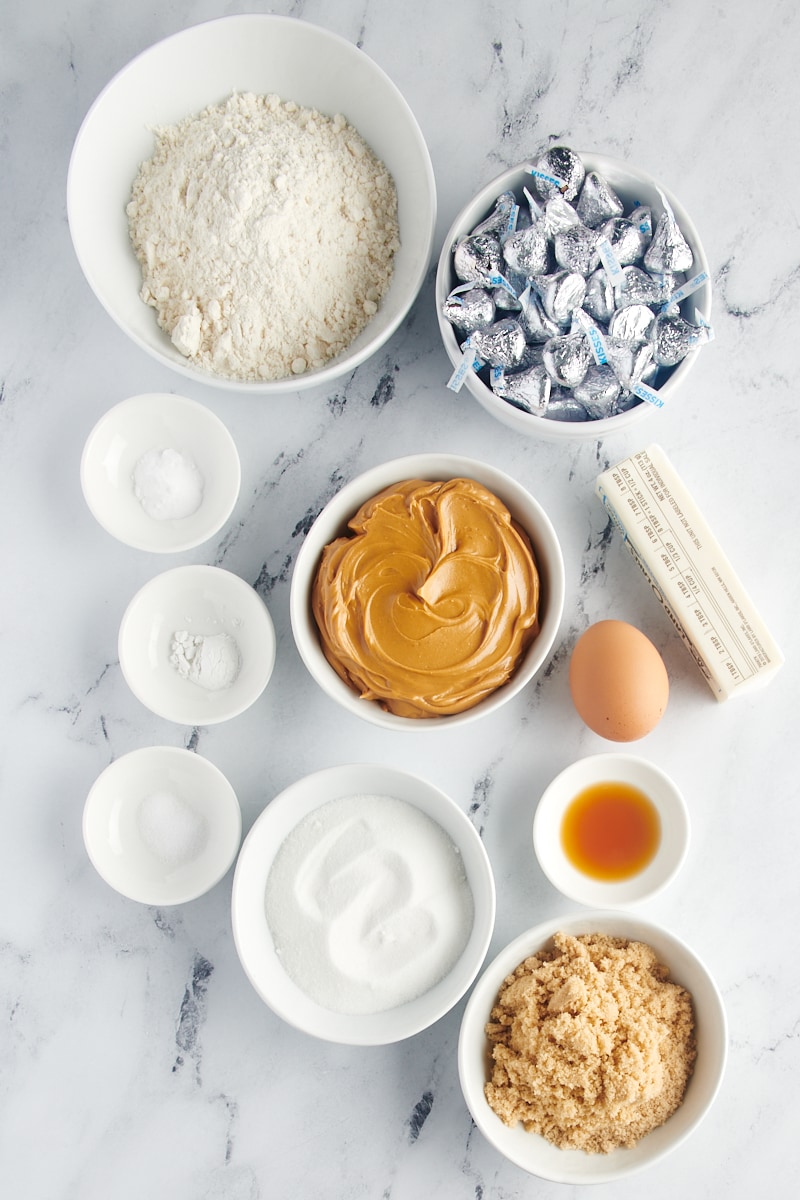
(253,202)
(363,904)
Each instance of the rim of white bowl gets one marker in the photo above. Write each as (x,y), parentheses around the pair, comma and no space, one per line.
(349,359)
(344,505)
(508,414)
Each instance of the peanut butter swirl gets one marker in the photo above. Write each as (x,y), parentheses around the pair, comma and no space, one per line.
(428,607)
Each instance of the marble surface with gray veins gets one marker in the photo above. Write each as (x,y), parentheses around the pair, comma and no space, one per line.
(136,1060)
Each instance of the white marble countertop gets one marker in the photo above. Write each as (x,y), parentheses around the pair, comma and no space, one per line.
(136,1059)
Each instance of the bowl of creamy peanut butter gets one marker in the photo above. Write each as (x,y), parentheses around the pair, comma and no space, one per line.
(428,591)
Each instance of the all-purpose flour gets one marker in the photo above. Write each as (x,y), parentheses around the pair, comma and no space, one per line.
(266,234)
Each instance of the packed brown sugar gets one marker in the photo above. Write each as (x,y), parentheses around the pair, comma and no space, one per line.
(592,1044)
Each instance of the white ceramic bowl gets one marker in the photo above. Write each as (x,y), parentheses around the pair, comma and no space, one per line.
(203,601)
(162,825)
(332,523)
(203,65)
(253,937)
(630,184)
(159,421)
(601,768)
(532,1152)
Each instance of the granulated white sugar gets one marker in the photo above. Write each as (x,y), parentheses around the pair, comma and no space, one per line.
(368,903)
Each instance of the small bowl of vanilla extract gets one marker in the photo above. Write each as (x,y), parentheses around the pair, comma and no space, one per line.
(611,831)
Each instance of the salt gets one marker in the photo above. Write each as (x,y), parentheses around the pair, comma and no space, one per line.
(167,484)
(368,904)
(171,829)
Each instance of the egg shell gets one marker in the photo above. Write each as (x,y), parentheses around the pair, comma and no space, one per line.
(618,681)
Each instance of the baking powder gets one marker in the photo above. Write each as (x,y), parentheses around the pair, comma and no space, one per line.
(266,234)
(368,904)
(213,661)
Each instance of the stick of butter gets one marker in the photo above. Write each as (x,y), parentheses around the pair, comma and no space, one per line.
(689,573)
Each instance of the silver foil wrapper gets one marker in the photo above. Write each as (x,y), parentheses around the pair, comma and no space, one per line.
(559,214)
(669,250)
(598,201)
(576,249)
(470,310)
(503,300)
(563,164)
(561,294)
(642,217)
(502,344)
(626,239)
(478,257)
(529,390)
(631,361)
(599,298)
(672,338)
(535,321)
(498,220)
(598,391)
(563,406)
(631,323)
(567,358)
(639,287)
(528,251)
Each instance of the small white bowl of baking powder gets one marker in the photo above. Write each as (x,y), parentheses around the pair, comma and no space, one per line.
(162,825)
(197,645)
(160,472)
(363,904)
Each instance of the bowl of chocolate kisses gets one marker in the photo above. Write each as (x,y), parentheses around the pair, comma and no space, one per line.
(573,295)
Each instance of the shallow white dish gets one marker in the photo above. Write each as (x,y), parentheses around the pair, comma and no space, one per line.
(332,523)
(631,184)
(199,819)
(159,421)
(203,65)
(203,601)
(530,1151)
(673,815)
(253,938)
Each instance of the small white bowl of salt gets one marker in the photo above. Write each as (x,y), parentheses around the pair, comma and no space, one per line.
(197,645)
(162,825)
(160,472)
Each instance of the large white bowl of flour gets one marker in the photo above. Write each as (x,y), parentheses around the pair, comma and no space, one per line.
(179,78)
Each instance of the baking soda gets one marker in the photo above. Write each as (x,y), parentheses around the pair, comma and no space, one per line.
(368,904)
(167,484)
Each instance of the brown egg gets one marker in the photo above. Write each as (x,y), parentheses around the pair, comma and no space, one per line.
(618,681)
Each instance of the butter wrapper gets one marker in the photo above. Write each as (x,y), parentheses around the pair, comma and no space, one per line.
(690,574)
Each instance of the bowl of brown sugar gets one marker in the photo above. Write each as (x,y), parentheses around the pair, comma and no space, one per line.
(591,1047)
